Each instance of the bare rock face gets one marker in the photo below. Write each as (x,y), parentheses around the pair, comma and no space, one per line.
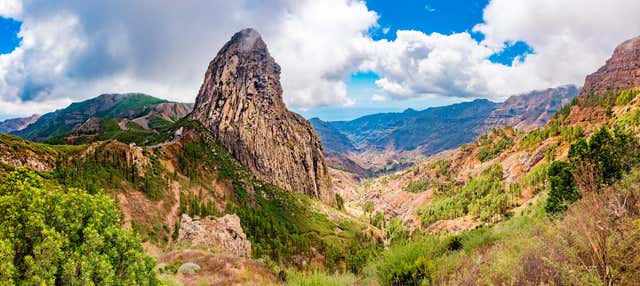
(621,72)
(173,110)
(92,125)
(241,103)
(223,234)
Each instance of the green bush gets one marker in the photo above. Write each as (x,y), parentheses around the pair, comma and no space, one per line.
(411,262)
(50,236)
(396,231)
(339,202)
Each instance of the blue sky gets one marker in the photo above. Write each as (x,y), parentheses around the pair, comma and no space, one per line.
(340,59)
(9,40)
(439,16)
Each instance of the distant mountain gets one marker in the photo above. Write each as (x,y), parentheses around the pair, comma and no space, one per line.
(17,124)
(130,106)
(531,110)
(331,136)
(381,141)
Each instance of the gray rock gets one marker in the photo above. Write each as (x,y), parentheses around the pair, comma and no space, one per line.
(240,102)
(224,234)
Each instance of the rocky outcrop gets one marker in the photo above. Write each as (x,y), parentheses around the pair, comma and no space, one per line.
(92,125)
(17,124)
(620,72)
(224,234)
(240,102)
(18,153)
(173,110)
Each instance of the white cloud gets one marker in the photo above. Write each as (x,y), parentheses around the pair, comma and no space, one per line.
(77,49)
(317,44)
(378,98)
(571,38)
(11,8)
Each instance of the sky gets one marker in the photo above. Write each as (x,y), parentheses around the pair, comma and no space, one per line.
(340,58)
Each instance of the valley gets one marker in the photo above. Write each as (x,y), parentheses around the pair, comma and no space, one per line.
(129,189)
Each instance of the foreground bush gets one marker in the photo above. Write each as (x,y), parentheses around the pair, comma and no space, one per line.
(51,236)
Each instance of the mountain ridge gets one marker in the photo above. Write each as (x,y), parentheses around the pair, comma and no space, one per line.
(60,123)
(386,140)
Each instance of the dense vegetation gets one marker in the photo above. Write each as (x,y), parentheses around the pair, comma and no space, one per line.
(55,236)
(485,197)
(110,167)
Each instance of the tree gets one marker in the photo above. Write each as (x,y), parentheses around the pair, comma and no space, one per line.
(562,187)
(52,236)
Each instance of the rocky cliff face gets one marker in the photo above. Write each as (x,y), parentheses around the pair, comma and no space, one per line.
(241,103)
(621,71)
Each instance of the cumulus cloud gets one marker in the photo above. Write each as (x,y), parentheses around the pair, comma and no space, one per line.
(317,43)
(76,49)
(571,38)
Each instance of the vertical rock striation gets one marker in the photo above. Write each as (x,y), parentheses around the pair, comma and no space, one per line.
(240,102)
(620,72)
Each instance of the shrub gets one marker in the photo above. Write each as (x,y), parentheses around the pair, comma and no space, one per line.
(189,268)
(339,202)
(410,263)
(625,97)
(396,231)
(51,236)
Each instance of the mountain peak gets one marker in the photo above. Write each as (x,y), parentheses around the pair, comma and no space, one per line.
(248,40)
(240,102)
